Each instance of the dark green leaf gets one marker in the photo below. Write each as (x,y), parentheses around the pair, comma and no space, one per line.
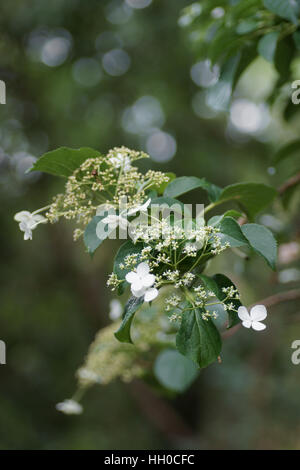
(175,371)
(215,285)
(123,333)
(184,184)
(198,339)
(63,161)
(253,197)
(231,232)
(262,241)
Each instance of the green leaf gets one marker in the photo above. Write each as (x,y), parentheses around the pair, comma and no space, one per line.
(253,197)
(219,95)
(161,188)
(231,232)
(198,339)
(175,371)
(247,26)
(215,284)
(288,150)
(287,9)
(63,161)
(267,46)
(123,333)
(184,184)
(296,37)
(95,233)
(262,241)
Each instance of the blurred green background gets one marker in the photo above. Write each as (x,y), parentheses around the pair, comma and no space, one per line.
(110,73)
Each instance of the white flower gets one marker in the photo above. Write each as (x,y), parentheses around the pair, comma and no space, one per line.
(114,221)
(116,309)
(141,282)
(69,407)
(254,318)
(29,222)
(121,160)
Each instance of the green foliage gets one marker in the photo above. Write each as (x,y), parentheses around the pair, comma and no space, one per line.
(232,232)
(216,284)
(175,371)
(123,333)
(95,233)
(262,241)
(63,161)
(198,339)
(184,184)
(252,197)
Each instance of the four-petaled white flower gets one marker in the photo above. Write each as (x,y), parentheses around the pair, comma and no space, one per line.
(142,281)
(254,318)
(121,161)
(29,221)
(69,407)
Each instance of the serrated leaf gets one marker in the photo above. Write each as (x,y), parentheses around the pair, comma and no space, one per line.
(287,9)
(267,46)
(123,333)
(262,241)
(215,284)
(231,232)
(253,197)
(184,184)
(63,161)
(175,371)
(198,339)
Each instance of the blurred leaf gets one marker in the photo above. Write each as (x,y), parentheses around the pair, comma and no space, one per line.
(174,371)
(63,161)
(287,9)
(216,284)
(123,333)
(253,197)
(198,339)
(262,241)
(184,184)
(287,151)
(267,46)
(218,96)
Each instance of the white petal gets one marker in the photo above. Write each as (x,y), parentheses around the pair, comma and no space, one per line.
(148,280)
(143,269)
(22,216)
(247,324)
(257,326)
(138,292)
(150,294)
(137,284)
(243,314)
(131,277)
(258,313)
